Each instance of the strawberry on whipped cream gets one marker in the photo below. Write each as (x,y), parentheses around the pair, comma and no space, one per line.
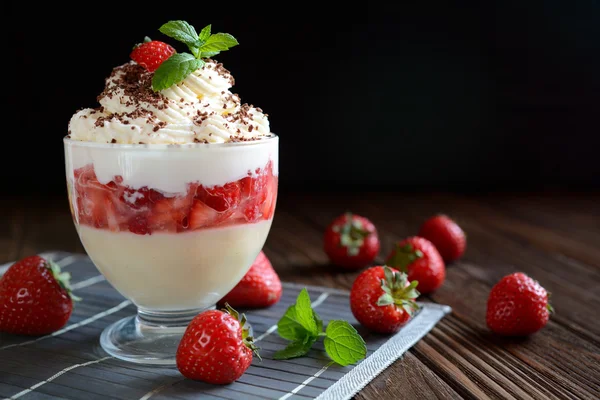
(172,191)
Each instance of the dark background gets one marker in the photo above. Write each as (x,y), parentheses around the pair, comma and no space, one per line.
(441,96)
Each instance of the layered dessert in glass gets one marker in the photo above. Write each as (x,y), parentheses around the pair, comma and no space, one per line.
(172,193)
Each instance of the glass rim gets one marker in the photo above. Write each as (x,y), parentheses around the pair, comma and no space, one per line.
(155,146)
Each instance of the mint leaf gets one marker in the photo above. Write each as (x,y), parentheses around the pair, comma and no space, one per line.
(174,70)
(209,54)
(217,43)
(299,320)
(343,343)
(204,34)
(296,348)
(289,327)
(183,32)
(318,321)
(305,313)
(303,326)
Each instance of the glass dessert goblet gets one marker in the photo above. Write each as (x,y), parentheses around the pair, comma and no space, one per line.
(173,228)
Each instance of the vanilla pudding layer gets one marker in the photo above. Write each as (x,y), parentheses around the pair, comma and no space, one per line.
(169,168)
(174,272)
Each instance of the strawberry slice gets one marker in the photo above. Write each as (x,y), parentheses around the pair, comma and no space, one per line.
(93,202)
(246,186)
(170,214)
(202,215)
(251,211)
(162,222)
(84,174)
(268,207)
(115,219)
(220,198)
(138,199)
(255,192)
(139,225)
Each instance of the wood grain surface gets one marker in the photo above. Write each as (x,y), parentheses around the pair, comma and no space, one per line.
(553,237)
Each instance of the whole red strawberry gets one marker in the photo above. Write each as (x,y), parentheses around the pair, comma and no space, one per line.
(216,347)
(447,236)
(517,306)
(35,298)
(260,287)
(351,241)
(382,299)
(151,54)
(419,258)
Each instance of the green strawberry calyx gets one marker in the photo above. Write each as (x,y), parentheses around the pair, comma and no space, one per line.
(247,338)
(397,290)
(352,234)
(403,256)
(63,279)
(548,305)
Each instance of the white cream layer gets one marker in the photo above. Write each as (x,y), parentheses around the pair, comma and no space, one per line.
(170,168)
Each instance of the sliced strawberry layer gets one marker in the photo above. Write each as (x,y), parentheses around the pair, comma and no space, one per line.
(202,216)
(220,198)
(142,211)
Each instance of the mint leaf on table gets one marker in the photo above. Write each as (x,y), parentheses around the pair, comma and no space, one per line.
(302,326)
(289,327)
(304,312)
(296,349)
(174,70)
(318,321)
(343,343)
(299,321)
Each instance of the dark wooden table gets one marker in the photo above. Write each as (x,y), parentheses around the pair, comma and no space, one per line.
(554,238)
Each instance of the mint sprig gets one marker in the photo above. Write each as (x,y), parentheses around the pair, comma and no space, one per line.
(302,326)
(174,69)
(202,45)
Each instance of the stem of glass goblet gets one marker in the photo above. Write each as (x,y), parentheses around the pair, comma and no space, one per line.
(152,319)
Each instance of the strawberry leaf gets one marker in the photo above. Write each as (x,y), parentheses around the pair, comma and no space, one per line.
(403,256)
(63,279)
(183,32)
(343,343)
(175,69)
(385,300)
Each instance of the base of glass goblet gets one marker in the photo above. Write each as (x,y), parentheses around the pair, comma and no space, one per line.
(149,337)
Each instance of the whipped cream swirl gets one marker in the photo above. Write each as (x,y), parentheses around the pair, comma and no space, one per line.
(199,109)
